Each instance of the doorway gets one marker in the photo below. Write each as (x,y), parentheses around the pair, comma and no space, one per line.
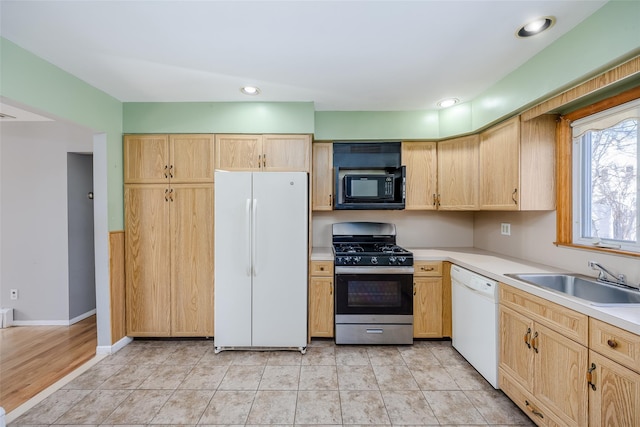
(82,286)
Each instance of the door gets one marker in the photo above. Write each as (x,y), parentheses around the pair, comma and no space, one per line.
(421,162)
(321,307)
(427,307)
(147,269)
(145,158)
(238,152)
(516,355)
(192,260)
(82,283)
(288,153)
(191,158)
(233,269)
(280,259)
(322,176)
(458,173)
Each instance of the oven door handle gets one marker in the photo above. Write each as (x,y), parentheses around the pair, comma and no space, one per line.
(374,270)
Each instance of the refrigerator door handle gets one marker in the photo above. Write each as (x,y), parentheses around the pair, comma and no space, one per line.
(248,235)
(254,237)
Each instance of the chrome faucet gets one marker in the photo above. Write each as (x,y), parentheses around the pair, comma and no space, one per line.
(603,272)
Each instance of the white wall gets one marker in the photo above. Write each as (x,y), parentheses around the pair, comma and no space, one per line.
(414,229)
(33,219)
(532,237)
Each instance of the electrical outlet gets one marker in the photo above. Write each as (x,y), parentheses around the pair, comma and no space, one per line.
(505,229)
(14,294)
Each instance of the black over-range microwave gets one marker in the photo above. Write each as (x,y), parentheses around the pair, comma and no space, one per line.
(371,188)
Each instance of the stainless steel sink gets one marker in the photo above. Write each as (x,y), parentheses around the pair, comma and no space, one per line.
(583,287)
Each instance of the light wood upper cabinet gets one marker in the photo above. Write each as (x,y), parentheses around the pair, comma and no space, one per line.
(517,165)
(458,173)
(163,158)
(420,158)
(289,153)
(500,166)
(146,158)
(191,158)
(239,152)
(322,176)
(267,153)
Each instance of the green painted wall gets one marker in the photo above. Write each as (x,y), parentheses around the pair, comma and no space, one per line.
(218,117)
(609,36)
(34,82)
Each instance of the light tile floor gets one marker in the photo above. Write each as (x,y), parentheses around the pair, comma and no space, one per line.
(186,383)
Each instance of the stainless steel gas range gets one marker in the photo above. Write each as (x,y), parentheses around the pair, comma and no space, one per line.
(373,285)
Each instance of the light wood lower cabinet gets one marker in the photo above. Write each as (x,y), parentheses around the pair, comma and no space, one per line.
(169,259)
(614,376)
(427,299)
(540,369)
(321,299)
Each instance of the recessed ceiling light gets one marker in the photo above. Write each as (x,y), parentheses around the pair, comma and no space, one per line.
(536,26)
(448,102)
(250,90)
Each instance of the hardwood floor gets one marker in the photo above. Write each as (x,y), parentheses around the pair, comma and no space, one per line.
(34,357)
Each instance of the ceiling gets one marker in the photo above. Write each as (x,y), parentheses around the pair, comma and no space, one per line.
(341,55)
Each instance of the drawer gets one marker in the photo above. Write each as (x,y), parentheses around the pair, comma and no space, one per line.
(322,268)
(427,268)
(564,321)
(529,405)
(615,343)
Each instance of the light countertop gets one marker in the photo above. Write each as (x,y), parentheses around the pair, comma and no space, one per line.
(495,266)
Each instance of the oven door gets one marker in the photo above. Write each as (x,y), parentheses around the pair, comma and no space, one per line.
(373,291)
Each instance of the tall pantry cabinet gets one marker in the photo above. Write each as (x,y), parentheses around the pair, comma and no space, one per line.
(169,234)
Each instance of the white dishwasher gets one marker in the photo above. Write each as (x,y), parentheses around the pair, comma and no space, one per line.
(475,321)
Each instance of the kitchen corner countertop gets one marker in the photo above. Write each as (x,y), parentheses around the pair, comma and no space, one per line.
(495,266)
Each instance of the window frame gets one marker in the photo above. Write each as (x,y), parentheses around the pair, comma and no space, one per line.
(565,171)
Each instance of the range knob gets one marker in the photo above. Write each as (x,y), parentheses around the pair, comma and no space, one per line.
(392,260)
(347,259)
(402,259)
(374,260)
(356,259)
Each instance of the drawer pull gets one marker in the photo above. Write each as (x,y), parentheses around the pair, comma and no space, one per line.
(533,410)
(612,343)
(590,377)
(423,268)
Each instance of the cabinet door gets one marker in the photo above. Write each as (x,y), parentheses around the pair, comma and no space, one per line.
(289,153)
(458,173)
(147,254)
(421,162)
(191,158)
(322,176)
(499,166)
(192,260)
(146,158)
(616,398)
(559,381)
(238,152)
(321,307)
(516,355)
(427,307)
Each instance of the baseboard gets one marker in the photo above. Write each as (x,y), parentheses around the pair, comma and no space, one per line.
(82,316)
(54,322)
(110,349)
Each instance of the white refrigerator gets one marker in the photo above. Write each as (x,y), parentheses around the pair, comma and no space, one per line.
(261,258)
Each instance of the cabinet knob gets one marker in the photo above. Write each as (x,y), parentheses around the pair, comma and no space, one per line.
(321,268)
(612,343)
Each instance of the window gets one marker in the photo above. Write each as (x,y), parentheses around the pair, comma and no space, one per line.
(605,184)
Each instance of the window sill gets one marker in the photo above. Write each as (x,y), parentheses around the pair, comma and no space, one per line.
(608,251)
